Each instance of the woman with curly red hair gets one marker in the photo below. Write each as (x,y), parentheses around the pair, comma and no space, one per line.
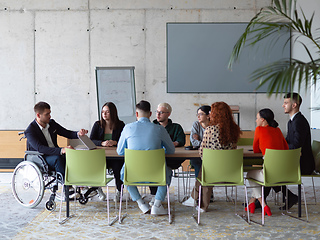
(222,134)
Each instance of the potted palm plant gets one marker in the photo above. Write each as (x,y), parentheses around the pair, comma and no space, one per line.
(272,21)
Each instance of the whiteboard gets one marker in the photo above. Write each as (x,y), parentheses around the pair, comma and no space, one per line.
(117,85)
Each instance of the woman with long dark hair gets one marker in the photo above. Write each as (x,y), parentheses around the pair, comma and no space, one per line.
(266,135)
(106,132)
(222,134)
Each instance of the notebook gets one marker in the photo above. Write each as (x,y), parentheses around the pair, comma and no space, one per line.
(84,144)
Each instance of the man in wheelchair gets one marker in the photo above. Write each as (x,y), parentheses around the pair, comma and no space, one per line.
(42,134)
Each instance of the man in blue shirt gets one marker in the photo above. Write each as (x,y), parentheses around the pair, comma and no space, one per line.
(144,135)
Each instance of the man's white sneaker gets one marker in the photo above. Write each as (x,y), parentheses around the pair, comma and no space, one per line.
(158,210)
(144,207)
(190,202)
(93,193)
(152,201)
(102,195)
(201,210)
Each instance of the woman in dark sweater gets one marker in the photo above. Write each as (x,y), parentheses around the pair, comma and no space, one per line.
(106,132)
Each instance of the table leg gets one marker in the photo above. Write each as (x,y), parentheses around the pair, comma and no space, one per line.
(299,200)
(67,200)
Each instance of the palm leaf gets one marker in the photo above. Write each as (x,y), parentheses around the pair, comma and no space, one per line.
(280,75)
(273,22)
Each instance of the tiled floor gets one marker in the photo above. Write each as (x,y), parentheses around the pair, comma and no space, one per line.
(90,222)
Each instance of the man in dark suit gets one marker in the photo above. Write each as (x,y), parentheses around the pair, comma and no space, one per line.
(298,135)
(42,137)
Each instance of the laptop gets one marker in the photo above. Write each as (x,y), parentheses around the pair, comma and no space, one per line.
(85,143)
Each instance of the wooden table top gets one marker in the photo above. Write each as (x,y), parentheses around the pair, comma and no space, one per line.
(181,152)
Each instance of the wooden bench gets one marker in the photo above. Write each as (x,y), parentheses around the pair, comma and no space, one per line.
(12,150)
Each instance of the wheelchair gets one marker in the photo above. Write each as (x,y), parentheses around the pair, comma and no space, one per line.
(32,177)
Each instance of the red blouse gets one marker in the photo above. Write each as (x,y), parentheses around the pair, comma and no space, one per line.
(268,137)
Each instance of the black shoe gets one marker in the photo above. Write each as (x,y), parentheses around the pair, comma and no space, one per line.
(257,203)
(212,198)
(291,201)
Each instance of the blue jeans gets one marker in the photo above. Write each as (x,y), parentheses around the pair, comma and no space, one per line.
(196,164)
(57,163)
(161,192)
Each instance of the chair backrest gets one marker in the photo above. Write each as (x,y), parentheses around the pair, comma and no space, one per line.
(245,142)
(316,154)
(85,167)
(143,166)
(222,167)
(282,167)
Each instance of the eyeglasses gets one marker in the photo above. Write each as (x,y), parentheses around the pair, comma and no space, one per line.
(200,114)
(160,112)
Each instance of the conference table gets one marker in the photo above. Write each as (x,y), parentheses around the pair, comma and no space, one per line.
(175,160)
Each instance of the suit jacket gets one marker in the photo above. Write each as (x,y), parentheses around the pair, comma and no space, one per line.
(299,136)
(36,141)
(97,133)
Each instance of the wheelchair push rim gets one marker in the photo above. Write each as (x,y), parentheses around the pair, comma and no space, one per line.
(27,184)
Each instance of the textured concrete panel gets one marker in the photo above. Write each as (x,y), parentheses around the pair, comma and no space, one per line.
(227,15)
(44,5)
(118,39)
(16,70)
(62,71)
(176,4)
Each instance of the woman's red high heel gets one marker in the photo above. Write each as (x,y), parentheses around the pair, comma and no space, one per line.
(252,207)
(267,210)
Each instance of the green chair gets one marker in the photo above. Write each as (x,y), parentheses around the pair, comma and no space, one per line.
(281,167)
(144,168)
(316,172)
(222,168)
(86,168)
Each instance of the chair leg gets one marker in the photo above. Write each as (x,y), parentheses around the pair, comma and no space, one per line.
(235,201)
(68,217)
(305,200)
(262,205)
(314,192)
(108,205)
(61,202)
(246,191)
(176,172)
(189,177)
(169,210)
(120,204)
(199,204)
(305,205)
(197,219)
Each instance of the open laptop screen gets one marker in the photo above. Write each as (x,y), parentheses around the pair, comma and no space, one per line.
(89,145)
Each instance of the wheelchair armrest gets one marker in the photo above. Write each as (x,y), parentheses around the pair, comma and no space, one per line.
(33,153)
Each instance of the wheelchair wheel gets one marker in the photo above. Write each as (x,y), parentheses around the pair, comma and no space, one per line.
(83,200)
(50,205)
(27,184)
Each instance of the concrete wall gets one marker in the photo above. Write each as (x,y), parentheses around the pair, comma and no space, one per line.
(309,7)
(49,50)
